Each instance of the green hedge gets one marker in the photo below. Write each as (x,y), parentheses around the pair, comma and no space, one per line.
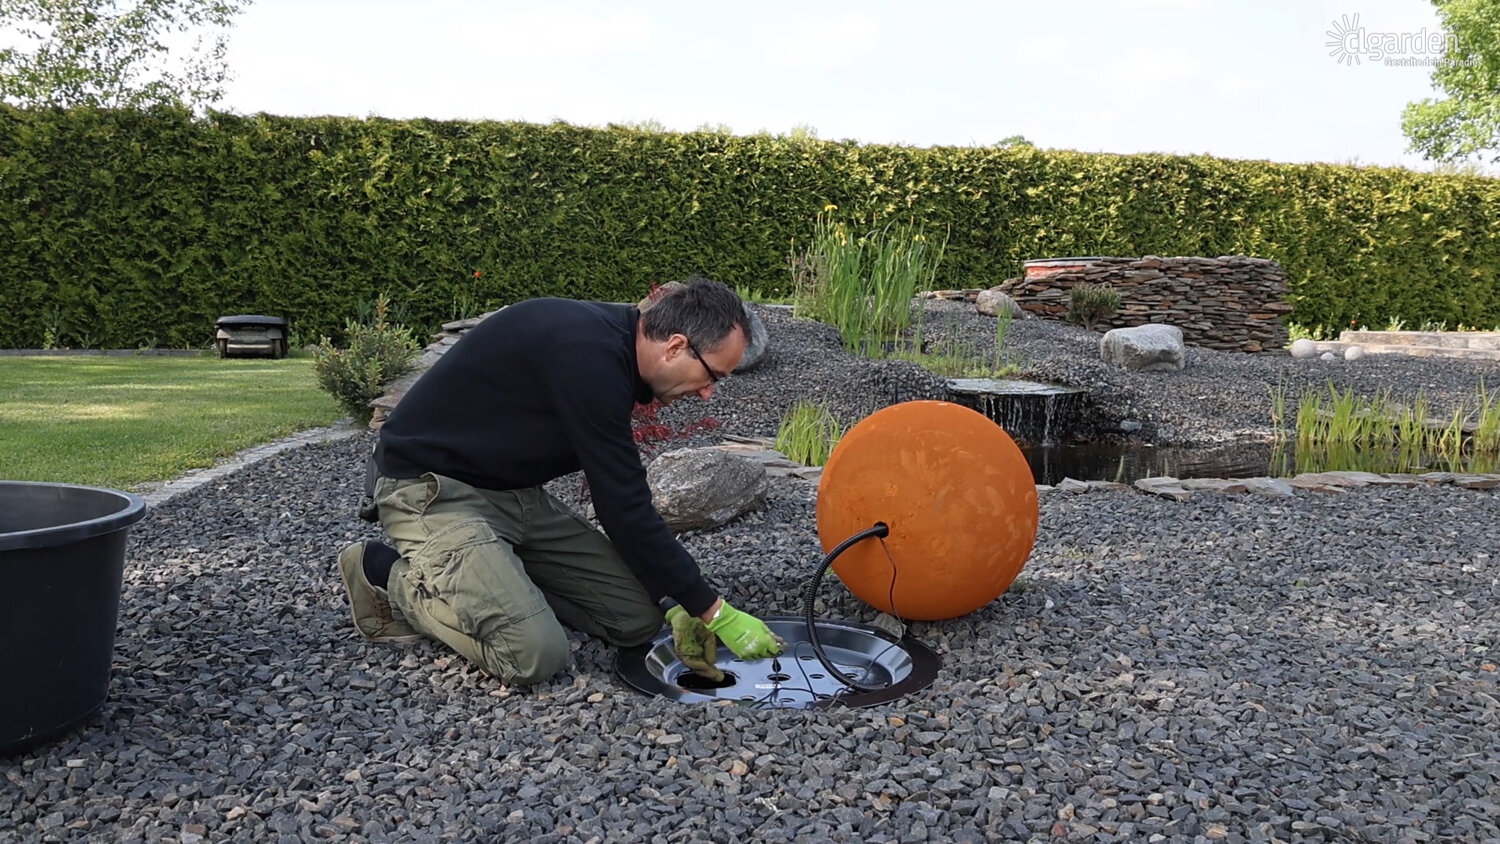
(129,228)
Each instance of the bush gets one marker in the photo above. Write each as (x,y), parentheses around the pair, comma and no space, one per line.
(1090,304)
(378,353)
(189,217)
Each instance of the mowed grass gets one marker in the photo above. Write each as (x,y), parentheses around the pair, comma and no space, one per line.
(119,422)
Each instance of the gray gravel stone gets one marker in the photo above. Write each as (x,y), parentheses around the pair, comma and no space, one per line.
(1304,667)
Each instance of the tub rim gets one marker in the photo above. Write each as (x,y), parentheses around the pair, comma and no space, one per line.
(54,536)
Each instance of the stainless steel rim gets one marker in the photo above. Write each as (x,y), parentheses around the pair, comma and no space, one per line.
(796,679)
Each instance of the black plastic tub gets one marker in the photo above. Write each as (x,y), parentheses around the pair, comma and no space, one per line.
(62,562)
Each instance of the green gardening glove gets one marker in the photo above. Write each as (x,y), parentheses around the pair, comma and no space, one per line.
(696,647)
(746,635)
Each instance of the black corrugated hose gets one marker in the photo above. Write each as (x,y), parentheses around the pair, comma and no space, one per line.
(810,594)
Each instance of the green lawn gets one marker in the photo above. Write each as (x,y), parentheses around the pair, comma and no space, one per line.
(120,421)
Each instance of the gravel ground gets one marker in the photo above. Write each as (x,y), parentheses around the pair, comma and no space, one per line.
(1317,668)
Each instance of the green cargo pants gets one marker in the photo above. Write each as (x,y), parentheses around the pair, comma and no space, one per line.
(495,574)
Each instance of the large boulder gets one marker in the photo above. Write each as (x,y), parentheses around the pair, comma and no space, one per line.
(704,488)
(993,301)
(760,341)
(1145,347)
(656,293)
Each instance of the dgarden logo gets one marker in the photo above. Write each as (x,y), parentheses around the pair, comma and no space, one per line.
(1351,44)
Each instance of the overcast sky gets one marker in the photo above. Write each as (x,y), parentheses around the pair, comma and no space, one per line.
(1230,78)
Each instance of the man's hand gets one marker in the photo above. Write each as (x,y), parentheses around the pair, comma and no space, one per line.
(694,643)
(746,635)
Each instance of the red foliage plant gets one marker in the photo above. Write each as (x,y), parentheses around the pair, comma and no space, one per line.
(651,434)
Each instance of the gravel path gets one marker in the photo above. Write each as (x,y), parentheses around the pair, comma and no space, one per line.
(1228,668)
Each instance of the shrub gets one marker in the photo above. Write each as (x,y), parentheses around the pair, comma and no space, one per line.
(377,354)
(1090,304)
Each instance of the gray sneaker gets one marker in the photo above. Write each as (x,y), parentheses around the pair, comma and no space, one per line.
(374,617)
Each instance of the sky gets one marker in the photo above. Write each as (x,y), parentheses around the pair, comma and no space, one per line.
(1248,79)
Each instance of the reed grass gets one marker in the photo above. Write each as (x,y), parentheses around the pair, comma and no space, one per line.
(1278,412)
(808,433)
(1340,429)
(1487,427)
(863,285)
(952,359)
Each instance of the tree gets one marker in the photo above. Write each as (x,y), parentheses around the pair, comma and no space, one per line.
(1465,123)
(114,53)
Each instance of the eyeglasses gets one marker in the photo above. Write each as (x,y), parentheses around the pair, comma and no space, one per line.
(712,377)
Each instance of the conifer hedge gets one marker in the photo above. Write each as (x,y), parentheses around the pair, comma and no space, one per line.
(126,228)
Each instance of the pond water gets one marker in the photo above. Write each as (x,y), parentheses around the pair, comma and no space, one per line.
(1040,416)
(1127,463)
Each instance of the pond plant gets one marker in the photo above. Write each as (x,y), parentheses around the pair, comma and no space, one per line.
(863,284)
(1338,430)
(808,433)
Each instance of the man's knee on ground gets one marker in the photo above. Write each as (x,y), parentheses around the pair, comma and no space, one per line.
(528,656)
(637,630)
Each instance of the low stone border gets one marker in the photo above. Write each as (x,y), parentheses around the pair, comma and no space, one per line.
(763,451)
(159,492)
(1327,482)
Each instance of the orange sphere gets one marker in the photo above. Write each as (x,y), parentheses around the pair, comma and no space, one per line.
(957,495)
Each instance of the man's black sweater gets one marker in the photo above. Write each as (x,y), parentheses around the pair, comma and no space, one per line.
(543,388)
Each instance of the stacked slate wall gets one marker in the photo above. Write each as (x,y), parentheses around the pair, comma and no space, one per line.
(1233,302)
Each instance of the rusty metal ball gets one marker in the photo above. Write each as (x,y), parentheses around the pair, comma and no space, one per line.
(957,496)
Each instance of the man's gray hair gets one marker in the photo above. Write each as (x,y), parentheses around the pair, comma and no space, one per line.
(703,310)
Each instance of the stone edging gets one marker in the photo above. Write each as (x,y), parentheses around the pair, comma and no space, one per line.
(162,491)
(763,451)
(1329,482)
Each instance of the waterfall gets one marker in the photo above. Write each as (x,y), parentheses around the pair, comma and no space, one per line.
(1036,413)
